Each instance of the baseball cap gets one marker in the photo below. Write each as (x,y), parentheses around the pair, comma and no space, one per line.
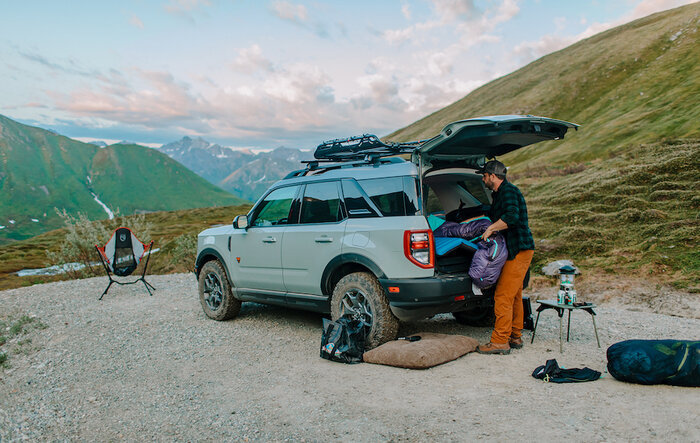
(492,167)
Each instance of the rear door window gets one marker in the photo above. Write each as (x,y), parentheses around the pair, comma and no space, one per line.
(321,203)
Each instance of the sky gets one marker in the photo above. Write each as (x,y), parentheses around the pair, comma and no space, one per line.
(263,74)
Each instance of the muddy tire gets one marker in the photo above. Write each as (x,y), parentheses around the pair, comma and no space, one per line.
(215,293)
(359,296)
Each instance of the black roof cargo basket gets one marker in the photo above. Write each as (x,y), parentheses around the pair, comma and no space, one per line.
(364,146)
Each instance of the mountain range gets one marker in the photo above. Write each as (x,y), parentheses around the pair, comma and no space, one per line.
(240,172)
(41,170)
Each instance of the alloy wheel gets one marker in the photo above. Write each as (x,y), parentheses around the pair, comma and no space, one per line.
(355,306)
(214,291)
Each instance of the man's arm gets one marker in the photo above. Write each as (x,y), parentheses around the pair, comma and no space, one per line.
(498,225)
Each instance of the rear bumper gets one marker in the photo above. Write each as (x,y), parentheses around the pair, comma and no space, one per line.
(419,298)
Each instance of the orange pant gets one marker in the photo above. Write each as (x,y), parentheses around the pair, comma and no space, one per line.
(509,298)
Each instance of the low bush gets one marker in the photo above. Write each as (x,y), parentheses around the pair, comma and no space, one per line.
(184,251)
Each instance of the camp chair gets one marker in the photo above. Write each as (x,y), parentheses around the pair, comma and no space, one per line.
(121,255)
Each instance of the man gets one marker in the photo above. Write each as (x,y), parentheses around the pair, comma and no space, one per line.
(510,214)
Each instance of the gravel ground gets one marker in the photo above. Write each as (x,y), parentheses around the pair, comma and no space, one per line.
(134,368)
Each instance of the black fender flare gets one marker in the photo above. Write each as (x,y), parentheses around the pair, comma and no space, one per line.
(202,258)
(344,259)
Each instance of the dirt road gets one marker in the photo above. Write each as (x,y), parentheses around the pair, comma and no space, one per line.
(134,367)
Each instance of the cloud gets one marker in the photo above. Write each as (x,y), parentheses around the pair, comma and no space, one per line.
(136,21)
(181,6)
(290,12)
(460,17)
(68,67)
(450,10)
(406,11)
(153,99)
(186,9)
(298,16)
(394,36)
(251,59)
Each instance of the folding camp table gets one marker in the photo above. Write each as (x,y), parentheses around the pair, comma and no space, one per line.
(552,304)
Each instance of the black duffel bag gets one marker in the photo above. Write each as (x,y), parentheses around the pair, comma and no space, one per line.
(651,362)
(343,340)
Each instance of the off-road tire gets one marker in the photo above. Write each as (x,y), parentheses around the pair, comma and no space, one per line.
(384,325)
(223,306)
(478,316)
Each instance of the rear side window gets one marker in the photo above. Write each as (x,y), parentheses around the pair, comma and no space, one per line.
(321,203)
(392,196)
(357,201)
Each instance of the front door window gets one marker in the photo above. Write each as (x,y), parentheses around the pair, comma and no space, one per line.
(274,209)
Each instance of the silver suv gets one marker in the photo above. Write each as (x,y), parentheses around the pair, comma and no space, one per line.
(349,235)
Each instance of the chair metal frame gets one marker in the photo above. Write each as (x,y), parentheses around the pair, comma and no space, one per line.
(142,278)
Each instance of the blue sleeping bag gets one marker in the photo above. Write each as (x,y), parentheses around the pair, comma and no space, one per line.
(490,255)
(651,362)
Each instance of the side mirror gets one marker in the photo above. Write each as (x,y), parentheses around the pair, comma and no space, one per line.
(240,222)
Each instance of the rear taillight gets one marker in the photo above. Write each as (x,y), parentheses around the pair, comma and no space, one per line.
(418,247)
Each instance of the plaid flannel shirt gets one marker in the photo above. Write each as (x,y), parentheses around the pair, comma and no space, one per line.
(509,206)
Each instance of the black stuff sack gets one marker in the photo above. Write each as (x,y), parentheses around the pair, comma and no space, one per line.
(551,372)
(343,340)
(651,362)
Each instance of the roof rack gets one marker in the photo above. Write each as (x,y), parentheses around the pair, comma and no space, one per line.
(361,147)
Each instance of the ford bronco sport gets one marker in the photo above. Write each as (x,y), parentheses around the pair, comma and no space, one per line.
(348,234)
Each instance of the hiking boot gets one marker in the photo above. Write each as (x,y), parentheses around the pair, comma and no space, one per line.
(516,343)
(494,348)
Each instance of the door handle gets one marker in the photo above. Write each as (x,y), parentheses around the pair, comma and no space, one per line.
(324,239)
(269,240)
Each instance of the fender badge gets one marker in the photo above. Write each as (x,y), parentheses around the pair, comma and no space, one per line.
(238,259)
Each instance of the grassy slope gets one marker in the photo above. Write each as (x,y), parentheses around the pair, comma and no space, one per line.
(620,195)
(40,171)
(161,183)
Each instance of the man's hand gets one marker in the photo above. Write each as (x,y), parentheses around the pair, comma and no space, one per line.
(499,225)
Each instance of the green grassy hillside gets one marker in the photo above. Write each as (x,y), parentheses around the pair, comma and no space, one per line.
(40,171)
(622,194)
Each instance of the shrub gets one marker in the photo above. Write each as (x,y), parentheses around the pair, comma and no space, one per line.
(184,251)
